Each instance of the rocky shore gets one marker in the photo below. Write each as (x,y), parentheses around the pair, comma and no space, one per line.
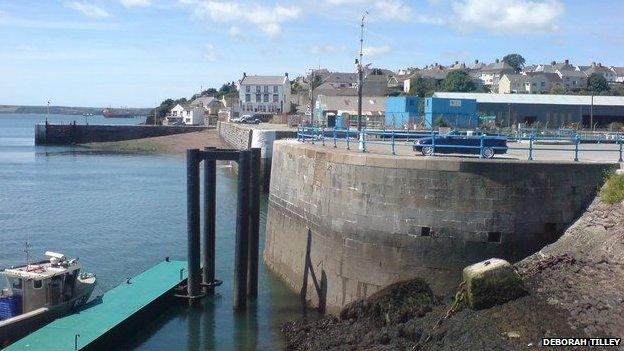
(574,288)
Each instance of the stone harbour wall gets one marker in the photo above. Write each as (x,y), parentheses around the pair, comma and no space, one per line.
(342,225)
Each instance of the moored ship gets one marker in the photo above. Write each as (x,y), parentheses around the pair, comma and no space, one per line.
(110,113)
(40,292)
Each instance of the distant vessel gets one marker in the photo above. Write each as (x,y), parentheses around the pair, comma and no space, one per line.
(87,114)
(110,113)
(40,292)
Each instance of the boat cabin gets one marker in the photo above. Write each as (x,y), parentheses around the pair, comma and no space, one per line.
(41,284)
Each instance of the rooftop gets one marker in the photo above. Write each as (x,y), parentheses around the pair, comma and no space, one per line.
(261,80)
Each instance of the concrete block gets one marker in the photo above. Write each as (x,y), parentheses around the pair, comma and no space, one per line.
(491,282)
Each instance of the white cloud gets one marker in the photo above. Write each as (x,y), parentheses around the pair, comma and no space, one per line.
(373,51)
(268,19)
(380,10)
(327,49)
(136,3)
(89,10)
(508,16)
(210,53)
(235,32)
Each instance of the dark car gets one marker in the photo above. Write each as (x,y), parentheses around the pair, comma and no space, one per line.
(250,119)
(463,143)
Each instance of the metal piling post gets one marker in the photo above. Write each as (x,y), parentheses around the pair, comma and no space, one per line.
(242,231)
(210,190)
(192,188)
(254,224)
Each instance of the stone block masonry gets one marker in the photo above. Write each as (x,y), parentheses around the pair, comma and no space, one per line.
(366,220)
(68,134)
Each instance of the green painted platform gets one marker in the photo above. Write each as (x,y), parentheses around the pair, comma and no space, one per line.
(117,305)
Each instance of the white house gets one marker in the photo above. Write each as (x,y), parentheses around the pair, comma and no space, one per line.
(191,115)
(264,94)
(209,103)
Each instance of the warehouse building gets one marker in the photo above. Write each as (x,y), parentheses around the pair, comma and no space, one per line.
(551,111)
(453,112)
(401,111)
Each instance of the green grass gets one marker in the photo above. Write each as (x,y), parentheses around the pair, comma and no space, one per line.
(128,146)
(613,190)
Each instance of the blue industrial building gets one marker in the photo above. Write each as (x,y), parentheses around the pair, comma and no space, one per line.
(401,111)
(458,113)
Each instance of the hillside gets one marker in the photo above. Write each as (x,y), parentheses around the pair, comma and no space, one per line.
(64,110)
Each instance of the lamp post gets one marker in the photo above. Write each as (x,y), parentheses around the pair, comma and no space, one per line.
(591,113)
(360,73)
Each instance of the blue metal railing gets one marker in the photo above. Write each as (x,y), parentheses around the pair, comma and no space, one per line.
(394,138)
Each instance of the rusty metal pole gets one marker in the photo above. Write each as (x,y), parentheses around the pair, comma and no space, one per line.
(193,212)
(254,224)
(242,231)
(210,190)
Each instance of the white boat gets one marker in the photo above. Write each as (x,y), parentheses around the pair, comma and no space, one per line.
(40,292)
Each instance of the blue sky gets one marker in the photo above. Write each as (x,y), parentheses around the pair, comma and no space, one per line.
(138,52)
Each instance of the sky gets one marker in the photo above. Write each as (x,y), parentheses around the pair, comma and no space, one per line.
(136,53)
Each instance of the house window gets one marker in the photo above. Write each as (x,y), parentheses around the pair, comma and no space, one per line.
(257,89)
(247,97)
(37,284)
(258,97)
(266,97)
(275,97)
(248,88)
(275,89)
(266,88)
(17,284)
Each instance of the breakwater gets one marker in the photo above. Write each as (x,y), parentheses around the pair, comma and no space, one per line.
(68,134)
(341,224)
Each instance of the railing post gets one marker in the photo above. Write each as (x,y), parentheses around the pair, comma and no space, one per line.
(531,148)
(481,147)
(335,137)
(576,149)
(620,142)
(432,143)
(323,135)
(393,151)
(299,132)
(363,136)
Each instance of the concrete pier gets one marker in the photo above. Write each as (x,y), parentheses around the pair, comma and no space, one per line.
(362,221)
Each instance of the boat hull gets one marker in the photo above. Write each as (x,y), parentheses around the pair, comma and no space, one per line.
(15,328)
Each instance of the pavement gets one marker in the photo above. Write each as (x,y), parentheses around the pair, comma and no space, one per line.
(517,151)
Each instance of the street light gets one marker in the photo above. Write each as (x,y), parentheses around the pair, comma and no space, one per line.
(360,78)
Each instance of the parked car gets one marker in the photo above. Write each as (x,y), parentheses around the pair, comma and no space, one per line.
(240,119)
(462,143)
(250,120)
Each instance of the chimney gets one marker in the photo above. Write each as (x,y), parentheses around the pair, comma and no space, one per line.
(497,60)
(567,62)
(244,74)
(476,61)
(456,62)
(286,74)
(594,64)
(552,63)
(599,64)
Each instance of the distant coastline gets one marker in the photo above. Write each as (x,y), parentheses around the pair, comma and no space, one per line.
(64,110)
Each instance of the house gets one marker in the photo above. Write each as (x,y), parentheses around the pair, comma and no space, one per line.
(619,74)
(210,103)
(264,94)
(342,111)
(542,82)
(572,79)
(512,84)
(491,74)
(598,68)
(187,114)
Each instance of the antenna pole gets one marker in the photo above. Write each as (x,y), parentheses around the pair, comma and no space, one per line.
(360,73)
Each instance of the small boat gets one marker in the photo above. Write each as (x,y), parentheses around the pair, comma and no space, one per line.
(37,293)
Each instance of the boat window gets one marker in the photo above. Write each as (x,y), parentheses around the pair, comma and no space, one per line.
(17,283)
(37,284)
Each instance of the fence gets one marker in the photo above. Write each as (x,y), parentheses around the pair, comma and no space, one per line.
(480,144)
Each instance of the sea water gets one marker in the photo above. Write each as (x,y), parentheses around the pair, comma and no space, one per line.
(121,214)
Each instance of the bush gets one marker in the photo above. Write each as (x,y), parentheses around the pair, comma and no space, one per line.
(613,190)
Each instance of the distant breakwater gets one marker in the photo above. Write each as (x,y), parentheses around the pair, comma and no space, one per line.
(69,134)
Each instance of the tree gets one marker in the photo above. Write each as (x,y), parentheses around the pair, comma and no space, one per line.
(597,83)
(557,90)
(421,86)
(457,81)
(516,61)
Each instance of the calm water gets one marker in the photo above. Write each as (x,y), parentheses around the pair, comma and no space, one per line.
(121,214)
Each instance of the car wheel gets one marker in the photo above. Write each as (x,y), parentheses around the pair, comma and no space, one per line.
(488,152)
(427,151)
